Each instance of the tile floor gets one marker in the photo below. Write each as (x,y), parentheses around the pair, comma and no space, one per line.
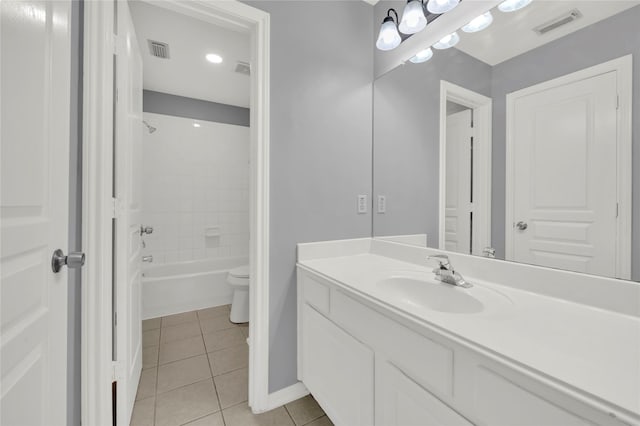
(194,372)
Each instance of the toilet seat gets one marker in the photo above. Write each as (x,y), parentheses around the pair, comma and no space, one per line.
(240,272)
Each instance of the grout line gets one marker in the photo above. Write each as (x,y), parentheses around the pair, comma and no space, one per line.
(215,388)
(289,413)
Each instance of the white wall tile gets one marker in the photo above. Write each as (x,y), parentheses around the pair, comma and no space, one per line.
(195,178)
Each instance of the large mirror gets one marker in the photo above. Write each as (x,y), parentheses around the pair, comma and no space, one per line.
(521,142)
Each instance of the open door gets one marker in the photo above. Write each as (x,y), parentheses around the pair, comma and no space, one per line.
(34,211)
(127,226)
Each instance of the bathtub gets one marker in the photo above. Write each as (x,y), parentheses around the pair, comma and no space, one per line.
(171,288)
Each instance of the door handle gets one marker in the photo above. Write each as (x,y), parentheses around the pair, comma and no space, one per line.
(522,225)
(74,260)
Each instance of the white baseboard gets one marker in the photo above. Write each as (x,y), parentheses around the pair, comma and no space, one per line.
(286,395)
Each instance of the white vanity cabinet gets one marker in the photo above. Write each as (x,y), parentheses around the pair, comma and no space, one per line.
(368,365)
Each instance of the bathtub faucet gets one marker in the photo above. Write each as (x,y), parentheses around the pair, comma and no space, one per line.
(147,258)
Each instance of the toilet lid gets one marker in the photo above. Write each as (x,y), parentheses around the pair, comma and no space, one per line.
(240,272)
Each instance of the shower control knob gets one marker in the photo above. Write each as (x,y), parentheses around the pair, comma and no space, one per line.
(522,225)
(74,260)
(146,230)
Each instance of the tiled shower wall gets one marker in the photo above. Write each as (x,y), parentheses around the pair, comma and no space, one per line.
(195,189)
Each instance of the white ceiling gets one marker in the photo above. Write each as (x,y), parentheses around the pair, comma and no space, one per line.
(511,34)
(187,72)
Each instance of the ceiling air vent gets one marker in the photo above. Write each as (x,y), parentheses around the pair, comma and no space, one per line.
(159,49)
(243,68)
(558,22)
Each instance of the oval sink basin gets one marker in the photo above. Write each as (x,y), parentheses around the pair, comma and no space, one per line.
(433,295)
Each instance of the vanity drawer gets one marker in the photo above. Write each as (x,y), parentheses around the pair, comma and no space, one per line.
(316,293)
(426,361)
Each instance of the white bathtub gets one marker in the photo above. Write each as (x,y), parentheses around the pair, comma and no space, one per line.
(171,288)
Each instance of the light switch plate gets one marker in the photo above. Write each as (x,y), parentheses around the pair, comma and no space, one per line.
(382,204)
(362,204)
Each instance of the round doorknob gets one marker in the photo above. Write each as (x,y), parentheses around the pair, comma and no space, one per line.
(74,260)
(522,225)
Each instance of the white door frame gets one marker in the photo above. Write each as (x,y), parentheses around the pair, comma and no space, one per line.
(98,205)
(624,68)
(482,107)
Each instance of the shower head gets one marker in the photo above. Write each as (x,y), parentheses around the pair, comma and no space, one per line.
(150,128)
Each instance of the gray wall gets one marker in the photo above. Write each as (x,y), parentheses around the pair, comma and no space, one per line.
(585,48)
(180,106)
(321,103)
(75,216)
(406,145)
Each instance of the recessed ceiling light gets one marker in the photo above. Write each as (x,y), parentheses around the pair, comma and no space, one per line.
(213,58)
(196,124)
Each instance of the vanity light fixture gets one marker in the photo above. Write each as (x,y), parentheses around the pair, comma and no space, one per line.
(213,58)
(389,37)
(413,19)
(513,5)
(422,56)
(478,24)
(447,41)
(441,6)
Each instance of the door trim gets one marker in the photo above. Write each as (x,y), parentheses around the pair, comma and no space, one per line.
(624,68)
(482,107)
(98,205)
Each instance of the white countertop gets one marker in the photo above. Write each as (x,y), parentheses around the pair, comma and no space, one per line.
(593,350)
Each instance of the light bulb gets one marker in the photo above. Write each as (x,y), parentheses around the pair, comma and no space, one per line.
(479,23)
(389,38)
(447,41)
(513,5)
(413,19)
(441,6)
(422,56)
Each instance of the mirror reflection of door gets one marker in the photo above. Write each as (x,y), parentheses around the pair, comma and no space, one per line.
(459,193)
(563,173)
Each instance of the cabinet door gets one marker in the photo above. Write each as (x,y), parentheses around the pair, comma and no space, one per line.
(337,370)
(402,402)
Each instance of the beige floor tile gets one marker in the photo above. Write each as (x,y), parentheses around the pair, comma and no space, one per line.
(181,349)
(217,311)
(245,331)
(241,415)
(304,410)
(322,421)
(232,387)
(150,338)
(214,419)
(187,403)
(213,324)
(143,411)
(176,319)
(147,385)
(180,332)
(151,324)
(224,339)
(149,357)
(229,359)
(181,373)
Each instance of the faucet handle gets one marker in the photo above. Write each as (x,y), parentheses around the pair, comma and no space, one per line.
(442,259)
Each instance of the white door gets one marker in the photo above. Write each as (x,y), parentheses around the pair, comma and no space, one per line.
(34,211)
(564,150)
(458,207)
(129,127)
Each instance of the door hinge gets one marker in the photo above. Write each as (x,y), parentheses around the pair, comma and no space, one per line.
(117,372)
(617,210)
(617,101)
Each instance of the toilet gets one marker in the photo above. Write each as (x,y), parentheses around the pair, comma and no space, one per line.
(238,278)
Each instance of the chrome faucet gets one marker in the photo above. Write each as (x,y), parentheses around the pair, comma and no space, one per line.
(445,272)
